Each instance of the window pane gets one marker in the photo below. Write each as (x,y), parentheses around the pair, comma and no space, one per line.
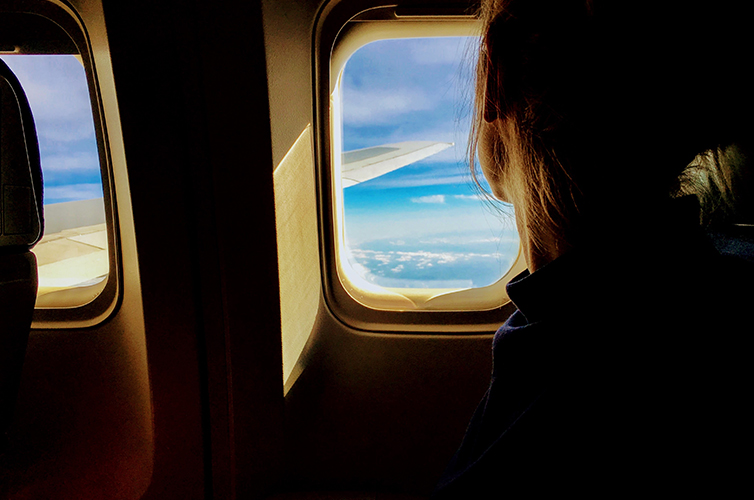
(72,256)
(423,224)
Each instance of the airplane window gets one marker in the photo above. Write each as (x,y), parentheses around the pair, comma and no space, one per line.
(72,257)
(412,216)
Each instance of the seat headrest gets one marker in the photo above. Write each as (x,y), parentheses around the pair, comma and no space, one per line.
(21,209)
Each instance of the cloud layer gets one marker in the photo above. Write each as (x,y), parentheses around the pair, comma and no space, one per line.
(457,259)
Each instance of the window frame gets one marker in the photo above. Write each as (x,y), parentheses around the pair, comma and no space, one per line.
(342,28)
(106,302)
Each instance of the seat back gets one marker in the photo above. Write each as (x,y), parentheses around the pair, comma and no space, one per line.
(21,227)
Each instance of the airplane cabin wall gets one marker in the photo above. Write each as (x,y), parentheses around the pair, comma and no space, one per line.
(180,393)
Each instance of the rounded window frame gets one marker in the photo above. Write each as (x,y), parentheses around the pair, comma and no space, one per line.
(341,30)
(109,292)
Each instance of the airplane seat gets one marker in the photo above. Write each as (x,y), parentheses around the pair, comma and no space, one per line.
(21,227)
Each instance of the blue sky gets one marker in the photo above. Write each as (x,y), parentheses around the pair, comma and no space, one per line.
(424,225)
(57,91)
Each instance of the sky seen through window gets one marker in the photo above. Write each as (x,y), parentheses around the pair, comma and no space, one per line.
(425,225)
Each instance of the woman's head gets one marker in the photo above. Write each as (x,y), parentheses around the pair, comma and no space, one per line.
(588,111)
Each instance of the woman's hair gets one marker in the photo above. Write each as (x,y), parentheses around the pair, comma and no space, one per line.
(721,180)
(600,106)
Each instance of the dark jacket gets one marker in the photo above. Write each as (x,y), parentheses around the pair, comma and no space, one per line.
(624,370)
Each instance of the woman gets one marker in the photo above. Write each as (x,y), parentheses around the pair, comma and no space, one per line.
(623,368)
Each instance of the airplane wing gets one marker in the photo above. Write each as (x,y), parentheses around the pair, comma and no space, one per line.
(72,255)
(364,164)
(72,258)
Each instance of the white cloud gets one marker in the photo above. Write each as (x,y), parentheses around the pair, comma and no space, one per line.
(435,198)
(74,162)
(471,197)
(384,258)
(379,105)
(58,95)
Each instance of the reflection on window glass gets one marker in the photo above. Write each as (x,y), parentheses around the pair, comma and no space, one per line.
(72,256)
(413,217)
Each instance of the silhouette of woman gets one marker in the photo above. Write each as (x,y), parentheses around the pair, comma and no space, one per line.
(623,367)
